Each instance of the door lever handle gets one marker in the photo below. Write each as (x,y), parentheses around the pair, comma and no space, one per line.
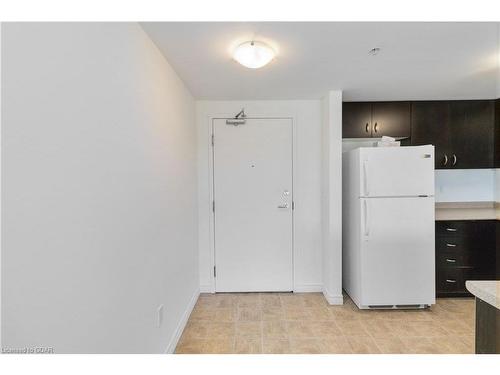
(283,205)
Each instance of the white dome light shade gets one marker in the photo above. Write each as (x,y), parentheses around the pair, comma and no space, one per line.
(253,54)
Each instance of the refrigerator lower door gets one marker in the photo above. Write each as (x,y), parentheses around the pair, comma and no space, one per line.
(397,252)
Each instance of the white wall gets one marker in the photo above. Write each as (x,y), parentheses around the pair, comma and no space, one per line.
(1,210)
(331,197)
(465,185)
(99,190)
(307,183)
(498,60)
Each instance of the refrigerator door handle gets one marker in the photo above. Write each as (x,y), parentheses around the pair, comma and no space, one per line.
(365,179)
(365,206)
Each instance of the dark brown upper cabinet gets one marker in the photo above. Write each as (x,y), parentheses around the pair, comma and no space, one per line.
(356,120)
(375,119)
(391,119)
(472,134)
(431,125)
(461,131)
(497,137)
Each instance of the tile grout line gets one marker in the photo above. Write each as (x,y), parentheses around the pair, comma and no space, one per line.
(261,325)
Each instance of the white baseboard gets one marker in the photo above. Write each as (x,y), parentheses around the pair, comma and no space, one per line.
(206,289)
(182,323)
(333,299)
(301,288)
(308,288)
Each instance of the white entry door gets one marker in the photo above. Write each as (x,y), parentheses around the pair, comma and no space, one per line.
(253,205)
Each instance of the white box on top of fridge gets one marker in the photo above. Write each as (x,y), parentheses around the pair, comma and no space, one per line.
(388,226)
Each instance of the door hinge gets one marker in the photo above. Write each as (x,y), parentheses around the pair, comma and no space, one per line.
(213,206)
(213,141)
(293,205)
(215,273)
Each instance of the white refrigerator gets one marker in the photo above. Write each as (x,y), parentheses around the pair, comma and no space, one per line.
(388,226)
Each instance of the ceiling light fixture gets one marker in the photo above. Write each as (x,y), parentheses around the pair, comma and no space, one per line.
(253,54)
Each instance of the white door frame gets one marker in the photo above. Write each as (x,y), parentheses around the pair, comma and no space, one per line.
(210,121)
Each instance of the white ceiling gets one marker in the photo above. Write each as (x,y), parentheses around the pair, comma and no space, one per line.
(416,61)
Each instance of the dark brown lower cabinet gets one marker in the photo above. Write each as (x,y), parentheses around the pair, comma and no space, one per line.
(465,250)
(487,328)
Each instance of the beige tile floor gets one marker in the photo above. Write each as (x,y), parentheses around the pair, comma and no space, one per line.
(305,323)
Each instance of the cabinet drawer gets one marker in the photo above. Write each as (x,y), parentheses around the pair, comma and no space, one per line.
(459,229)
(452,280)
(451,245)
(453,260)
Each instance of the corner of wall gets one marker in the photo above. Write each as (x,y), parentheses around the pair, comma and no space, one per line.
(333,299)
(332,197)
(182,323)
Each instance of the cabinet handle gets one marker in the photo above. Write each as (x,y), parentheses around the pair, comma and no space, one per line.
(451,245)
(366,127)
(454,160)
(445,161)
(451,260)
(375,127)
(451,281)
(451,229)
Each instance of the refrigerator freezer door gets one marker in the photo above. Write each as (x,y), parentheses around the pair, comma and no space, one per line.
(397,171)
(397,251)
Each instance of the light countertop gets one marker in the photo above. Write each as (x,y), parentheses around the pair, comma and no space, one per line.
(467,211)
(488,291)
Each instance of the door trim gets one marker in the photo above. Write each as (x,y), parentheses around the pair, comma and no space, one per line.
(210,121)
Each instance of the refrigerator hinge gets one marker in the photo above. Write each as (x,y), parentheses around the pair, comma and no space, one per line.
(293,205)
(215,273)
(213,141)
(213,206)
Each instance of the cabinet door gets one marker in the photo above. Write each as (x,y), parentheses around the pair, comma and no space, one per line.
(472,134)
(430,124)
(483,250)
(497,134)
(356,120)
(391,119)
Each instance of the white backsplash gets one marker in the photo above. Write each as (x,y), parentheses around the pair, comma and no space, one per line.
(497,185)
(465,185)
